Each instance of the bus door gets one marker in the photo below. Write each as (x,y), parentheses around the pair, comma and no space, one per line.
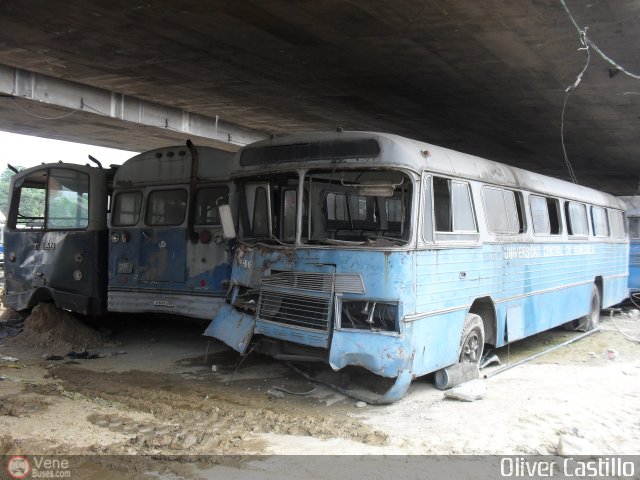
(163,237)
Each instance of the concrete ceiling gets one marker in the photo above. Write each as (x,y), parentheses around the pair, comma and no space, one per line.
(484,77)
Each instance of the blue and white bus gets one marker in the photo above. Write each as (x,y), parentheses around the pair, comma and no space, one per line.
(167,253)
(402,257)
(55,239)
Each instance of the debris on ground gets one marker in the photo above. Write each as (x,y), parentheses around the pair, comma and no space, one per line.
(273,393)
(489,360)
(57,330)
(468,391)
(361,404)
(570,445)
(11,323)
(612,354)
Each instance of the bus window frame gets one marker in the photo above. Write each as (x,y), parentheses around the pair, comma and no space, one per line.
(210,187)
(558,208)
(115,203)
(12,222)
(570,234)
(520,211)
(147,197)
(454,236)
(593,224)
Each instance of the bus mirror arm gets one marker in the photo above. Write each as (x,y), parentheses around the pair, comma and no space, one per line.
(96,161)
(228,229)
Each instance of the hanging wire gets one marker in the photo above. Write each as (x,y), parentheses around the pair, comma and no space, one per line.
(591,44)
(13,100)
(567,92)
(587,45)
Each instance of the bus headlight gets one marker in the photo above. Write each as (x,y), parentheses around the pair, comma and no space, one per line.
(77,275)
(369,315)
(115,237)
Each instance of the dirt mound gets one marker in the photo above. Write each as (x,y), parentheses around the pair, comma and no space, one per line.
(57,330)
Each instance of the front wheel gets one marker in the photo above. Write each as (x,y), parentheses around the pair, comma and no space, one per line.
(472,339)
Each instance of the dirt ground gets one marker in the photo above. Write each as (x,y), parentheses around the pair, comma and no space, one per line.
(158,387)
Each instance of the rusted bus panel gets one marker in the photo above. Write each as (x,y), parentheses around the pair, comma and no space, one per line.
(167,251)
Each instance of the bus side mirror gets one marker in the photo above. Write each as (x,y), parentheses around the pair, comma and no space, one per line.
(228,230)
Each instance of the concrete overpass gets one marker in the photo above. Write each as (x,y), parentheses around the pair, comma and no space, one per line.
(487,77)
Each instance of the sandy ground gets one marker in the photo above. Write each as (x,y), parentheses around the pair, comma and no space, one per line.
(155,390)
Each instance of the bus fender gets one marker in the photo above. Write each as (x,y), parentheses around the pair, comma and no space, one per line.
(232,327)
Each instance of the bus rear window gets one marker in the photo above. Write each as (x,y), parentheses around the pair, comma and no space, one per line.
(31,208)
(166,207)
(126,210)
(207,201)
(67,199)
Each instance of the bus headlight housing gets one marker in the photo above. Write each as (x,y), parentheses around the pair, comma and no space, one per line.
(369,315)
(115,237)
(77,275)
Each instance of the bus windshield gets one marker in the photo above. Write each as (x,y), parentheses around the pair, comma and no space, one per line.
(350,207)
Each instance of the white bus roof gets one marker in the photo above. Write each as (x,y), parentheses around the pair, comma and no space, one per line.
(396,151)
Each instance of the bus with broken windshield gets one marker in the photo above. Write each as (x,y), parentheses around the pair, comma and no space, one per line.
(377,251)
(55,239)
(167,251)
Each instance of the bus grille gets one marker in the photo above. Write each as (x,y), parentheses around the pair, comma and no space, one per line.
(318,282)
(297,310)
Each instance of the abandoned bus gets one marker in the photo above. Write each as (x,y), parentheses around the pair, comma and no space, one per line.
(167,253)
(633,216)
(55,238)
(404,258)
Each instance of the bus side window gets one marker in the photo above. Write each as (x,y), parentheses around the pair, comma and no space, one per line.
(634,227)
(289,210)
(616,220)
(504,210)
(577,224)
(600,222)
(545,215)
(452,206)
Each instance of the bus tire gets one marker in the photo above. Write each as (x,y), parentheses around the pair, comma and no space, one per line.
(472,339)
(592,319)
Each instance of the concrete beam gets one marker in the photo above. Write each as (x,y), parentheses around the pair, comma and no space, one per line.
(34,86)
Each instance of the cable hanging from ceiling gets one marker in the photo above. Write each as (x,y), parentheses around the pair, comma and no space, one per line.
(588,44)
(591,43)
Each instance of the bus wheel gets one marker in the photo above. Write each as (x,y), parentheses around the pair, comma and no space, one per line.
(592,319)
(472,339)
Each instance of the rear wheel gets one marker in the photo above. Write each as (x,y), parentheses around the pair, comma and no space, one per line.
(592,319)
(472,339)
